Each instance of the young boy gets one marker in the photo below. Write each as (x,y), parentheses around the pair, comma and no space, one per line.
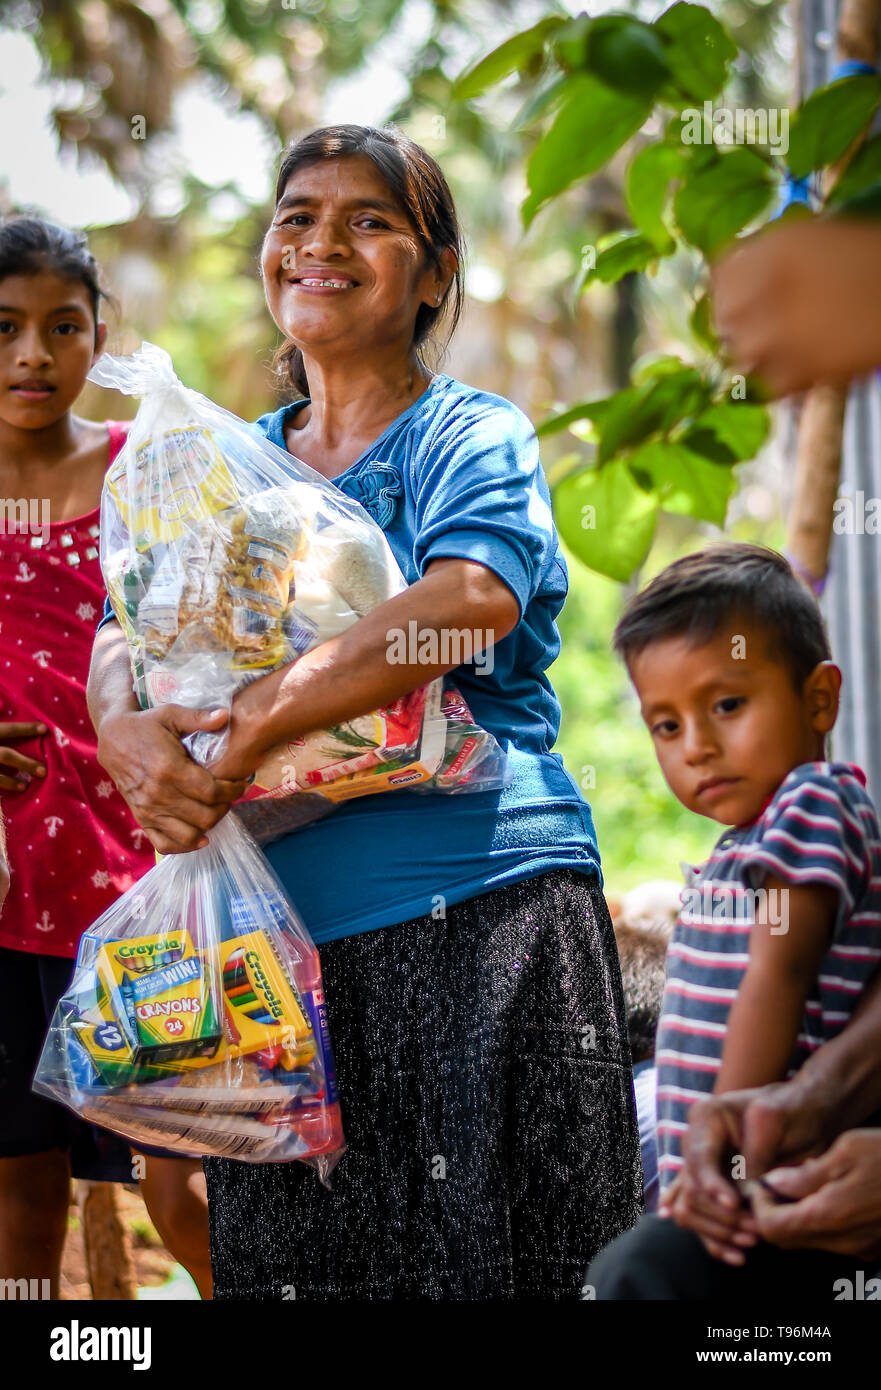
(780,929)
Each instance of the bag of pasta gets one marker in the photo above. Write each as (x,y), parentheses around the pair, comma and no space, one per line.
(224,558)
(195,1017)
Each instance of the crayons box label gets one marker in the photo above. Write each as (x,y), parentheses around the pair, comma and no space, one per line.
(263,1008)
(173,1009)
(150,1002)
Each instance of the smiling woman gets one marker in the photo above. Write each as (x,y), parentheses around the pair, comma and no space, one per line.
(472,984)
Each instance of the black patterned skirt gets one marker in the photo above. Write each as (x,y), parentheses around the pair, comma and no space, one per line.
(486,1090)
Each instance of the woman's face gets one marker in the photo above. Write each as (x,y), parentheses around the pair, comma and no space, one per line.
(337,221)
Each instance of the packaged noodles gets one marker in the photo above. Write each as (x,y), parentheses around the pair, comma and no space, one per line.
(224,558)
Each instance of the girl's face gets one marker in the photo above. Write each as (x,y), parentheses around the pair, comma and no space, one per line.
(337,221)
(47,345)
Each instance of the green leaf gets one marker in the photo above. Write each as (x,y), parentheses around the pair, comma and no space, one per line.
(544,99)
(683,482)
(654,365)
(585,410)
(606,519)
(866,203)
(721,197)
(697,48)
(656,405)
(862,171)
(738,427)
(627,54)
(513,54)
(570,42)
(619,254)
(594,121)
(830,120)
(708,444)
(700,323)
(795,212)
(648,178)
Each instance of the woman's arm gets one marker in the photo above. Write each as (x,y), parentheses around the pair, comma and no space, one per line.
(783,964)
(175,800)
(353,673)
(171,796)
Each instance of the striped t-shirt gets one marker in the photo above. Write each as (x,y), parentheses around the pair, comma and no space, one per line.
(819,827)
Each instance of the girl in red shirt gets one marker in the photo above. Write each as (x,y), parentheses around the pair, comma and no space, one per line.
(73,845)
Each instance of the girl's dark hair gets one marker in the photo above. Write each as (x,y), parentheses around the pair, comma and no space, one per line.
(695,595)
(416,181)
(29,245)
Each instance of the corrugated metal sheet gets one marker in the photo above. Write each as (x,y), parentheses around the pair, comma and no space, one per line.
(852,601)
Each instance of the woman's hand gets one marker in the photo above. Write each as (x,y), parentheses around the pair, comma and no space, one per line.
(25,768)
(243,751)
(838,1204)
(171,797)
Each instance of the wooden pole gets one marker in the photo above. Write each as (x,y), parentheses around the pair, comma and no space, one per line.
(106,1242)
(821,427)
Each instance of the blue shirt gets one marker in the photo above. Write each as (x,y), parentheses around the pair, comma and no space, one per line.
(456,474)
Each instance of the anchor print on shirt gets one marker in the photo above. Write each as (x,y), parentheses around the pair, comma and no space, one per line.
(45,923)
(52,823)
(42,658)
(25,575)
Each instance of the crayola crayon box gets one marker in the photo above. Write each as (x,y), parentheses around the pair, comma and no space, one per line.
(149,1002)
(263,1009)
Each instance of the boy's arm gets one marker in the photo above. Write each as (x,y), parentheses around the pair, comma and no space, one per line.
(766,1016)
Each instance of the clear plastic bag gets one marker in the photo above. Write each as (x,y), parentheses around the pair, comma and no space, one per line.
(224,558)
(472,760)
(195,1019)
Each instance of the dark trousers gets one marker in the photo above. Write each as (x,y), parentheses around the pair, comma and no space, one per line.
(659,1260)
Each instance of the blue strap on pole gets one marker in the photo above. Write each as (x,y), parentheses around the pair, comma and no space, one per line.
(799,190)
(792,191)
(850,67)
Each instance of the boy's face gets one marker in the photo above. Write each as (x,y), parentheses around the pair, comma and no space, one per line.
(726,720)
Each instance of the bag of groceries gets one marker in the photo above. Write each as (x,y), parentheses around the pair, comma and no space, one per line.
(224,558)
(195,1018)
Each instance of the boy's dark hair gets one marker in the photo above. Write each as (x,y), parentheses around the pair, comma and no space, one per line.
(643,973)
(695,595)
(29,245)
(418,184)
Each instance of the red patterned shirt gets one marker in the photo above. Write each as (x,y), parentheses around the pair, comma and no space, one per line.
(73,845)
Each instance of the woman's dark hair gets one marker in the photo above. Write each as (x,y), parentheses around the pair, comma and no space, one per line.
(694,596)
(29,245)
(416,181)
